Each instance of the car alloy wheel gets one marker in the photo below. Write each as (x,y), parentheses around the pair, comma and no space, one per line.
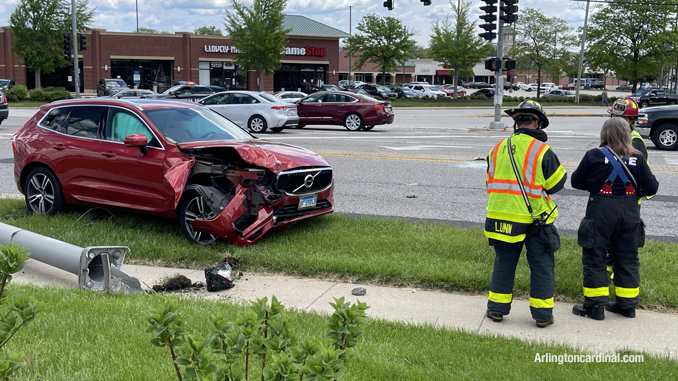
(353,122)
(192,208)
(666,137)
(43,192)
(257,124)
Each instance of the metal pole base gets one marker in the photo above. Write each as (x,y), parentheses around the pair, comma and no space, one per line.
(497,126)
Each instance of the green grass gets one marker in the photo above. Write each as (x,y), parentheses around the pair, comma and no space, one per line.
(371,250)
(93,336)
(25,104)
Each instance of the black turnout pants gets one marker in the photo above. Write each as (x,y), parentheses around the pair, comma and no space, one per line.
(611,225)
(540,250)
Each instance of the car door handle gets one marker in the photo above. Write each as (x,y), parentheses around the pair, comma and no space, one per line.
(59,147)
(342,105)
(318,105)
(108,154)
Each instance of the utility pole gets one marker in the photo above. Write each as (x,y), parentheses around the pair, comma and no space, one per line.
(76,61)
(137,4)
(497,124)
(350,52)
(581,54)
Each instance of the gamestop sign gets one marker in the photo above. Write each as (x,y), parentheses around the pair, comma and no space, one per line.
(305,51)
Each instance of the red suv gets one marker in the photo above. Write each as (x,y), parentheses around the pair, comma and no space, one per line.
(353,111)
(167,158)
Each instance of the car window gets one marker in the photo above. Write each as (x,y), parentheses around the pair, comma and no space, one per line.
(172,89)
(347,98)
(269,97)
(220,99)
(183,91)
(285,96)
(85,120)
(181,124)
(331,98)
(241,99)
(122,123)
(202,90)
(56,119)
(313,98)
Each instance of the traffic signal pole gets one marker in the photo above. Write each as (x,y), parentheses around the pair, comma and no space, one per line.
(74,44)
(497,124)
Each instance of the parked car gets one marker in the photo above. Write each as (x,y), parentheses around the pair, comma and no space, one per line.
(217,89)
(561,94)
(4,110)
(132,94)
(191,93)
(529,87)
(357,90)
(660,124)
(353,111)
(647,98)
(376,90)
(175,83)
(344,84)
(479,85)
(427,90)
(625,87)
(449,90)
(489,93)
(325,88)
(172,159)
(597,85)
(405,92)
(289,96)
(253,110)
(569,86)
(547,87)
(6,84)
(108,86)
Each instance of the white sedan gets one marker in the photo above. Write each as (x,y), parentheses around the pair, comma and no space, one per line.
(529,87)
(253,110)
(289,96)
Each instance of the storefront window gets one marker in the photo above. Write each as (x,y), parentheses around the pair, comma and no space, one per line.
(225,74)
(153,74)
(304,77)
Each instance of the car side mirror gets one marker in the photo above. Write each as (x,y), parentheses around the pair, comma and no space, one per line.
(137,140)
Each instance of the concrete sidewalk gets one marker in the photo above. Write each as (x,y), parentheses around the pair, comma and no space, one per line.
(649,332)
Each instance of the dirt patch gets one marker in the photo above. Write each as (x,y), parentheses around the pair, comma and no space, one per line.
(176,283)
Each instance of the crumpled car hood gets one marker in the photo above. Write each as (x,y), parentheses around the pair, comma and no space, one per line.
(277,157)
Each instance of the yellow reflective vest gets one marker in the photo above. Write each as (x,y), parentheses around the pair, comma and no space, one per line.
(507,215)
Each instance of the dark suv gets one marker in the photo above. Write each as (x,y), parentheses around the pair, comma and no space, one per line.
(6,84)
(4,112)
(597,85)
(110,86)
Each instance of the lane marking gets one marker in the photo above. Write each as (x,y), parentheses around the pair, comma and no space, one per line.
(418,148)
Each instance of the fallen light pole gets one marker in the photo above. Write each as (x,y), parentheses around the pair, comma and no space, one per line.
(99,268)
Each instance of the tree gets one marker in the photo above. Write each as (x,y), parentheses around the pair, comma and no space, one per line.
(381,41)
(259,35)
(541,43)
(457,45)
(151,31)
(420,52)
(38,27)
(630,37)
(208,31)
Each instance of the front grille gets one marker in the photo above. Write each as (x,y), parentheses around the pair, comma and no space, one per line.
(295,182)
(290,212)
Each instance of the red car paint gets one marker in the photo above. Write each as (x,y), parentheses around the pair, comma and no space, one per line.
(100,172)
(313,110)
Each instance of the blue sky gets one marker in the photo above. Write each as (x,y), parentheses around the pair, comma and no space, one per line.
(186,15)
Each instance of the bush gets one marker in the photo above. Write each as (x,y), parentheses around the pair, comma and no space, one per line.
(17,93)
(440,96)
(57,93)
(377,97)
(585,98)
(392,98)
(521,99)
(38,95)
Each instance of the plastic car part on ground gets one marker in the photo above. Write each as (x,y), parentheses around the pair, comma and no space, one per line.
(219,277)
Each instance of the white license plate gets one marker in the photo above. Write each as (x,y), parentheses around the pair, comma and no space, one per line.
(388,109)
(308,202)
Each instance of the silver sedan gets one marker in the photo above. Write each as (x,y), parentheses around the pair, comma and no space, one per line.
(559,94)
(290,96)
(132,94)
(253,110)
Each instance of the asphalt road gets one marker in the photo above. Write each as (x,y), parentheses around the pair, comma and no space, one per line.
(430,164)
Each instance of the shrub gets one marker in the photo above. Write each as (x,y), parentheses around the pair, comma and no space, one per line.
(37,95)
(57,93)
(377,97)
(392,98)
(17,93)
(521,99)
(440,96)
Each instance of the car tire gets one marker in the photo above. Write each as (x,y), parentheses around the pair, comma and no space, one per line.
(643,104)
(42,192)
(277,129)
(353,122)
(529,89)
(191,207)
(665,137)
(367,128)
(672,103)
(301,125)
(257,124)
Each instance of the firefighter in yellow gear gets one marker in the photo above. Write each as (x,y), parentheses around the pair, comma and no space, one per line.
(523,217)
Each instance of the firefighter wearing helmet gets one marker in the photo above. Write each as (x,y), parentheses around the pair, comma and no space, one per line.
(628,109)
(522,172)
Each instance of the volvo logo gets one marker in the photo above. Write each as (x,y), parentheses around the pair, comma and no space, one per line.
(308,181)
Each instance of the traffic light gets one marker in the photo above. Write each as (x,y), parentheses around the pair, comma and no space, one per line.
(509,64)
(489,17)
(493,64)
(508,11)
(82,42)
(67,46)
(426,2)
(388,4)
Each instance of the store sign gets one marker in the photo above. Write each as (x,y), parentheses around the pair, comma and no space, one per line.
(290,51)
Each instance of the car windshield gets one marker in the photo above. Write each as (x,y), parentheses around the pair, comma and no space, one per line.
(116,83)
(407,90)
(641,93)
(332,88)
(568,93)
(183,124)
(384,89)
(269,97)
(4,82)
(172,89)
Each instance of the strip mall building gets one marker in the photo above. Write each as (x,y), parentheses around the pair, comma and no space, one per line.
(148,60)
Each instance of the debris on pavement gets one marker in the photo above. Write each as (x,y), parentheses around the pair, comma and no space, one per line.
(359,291)
(179,282)
(411,196)
(220,277)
